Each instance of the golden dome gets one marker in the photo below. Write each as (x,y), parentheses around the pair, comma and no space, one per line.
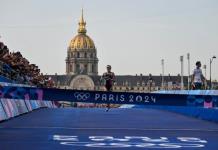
(81,41)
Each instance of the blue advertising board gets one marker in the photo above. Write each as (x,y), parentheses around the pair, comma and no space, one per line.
(31,93)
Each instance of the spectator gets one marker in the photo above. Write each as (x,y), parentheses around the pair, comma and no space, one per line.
(197,78)
(16,67)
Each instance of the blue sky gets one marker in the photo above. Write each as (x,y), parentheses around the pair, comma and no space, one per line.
(131,35)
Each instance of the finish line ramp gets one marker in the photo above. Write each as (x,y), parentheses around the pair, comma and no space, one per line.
(96,129)
(129,129)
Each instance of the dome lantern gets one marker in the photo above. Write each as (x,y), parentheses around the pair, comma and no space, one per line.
(82,25)
(82,40)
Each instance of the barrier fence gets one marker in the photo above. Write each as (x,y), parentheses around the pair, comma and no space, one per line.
(10,107)
(18,99)
(167,99)
(189,92)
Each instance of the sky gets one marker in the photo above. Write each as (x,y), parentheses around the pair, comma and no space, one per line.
(130,35)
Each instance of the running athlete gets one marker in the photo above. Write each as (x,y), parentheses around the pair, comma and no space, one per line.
(109,79)
(197,78)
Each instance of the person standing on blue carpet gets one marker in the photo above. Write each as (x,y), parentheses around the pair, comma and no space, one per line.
(198,79)
(109,79)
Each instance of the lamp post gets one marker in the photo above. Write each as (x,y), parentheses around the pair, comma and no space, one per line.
(205,70)
(182,83)
(211,60)
(188,57)
(162,64)
(205,75)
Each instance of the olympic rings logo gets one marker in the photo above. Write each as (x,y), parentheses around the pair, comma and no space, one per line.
(81,96)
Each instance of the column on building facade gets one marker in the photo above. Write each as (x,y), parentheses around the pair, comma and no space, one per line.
(70,67)
(89,68)
(73,67)
(67,67)
(96,68)
(93,68)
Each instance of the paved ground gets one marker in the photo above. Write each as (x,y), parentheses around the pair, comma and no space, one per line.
(95,129)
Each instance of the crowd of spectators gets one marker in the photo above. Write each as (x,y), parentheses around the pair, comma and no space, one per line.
(17,68)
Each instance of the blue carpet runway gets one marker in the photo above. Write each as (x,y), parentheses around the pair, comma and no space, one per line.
(95,129)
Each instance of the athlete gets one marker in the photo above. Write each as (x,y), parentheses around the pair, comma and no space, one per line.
(109,79)
(197,78)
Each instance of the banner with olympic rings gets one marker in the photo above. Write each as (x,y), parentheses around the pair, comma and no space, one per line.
(32,93)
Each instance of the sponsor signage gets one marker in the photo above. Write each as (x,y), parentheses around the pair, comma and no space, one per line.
(30,93)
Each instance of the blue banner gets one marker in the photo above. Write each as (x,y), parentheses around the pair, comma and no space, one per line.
(31,93)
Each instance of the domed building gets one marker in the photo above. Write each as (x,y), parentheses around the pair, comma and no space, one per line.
(81,53)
